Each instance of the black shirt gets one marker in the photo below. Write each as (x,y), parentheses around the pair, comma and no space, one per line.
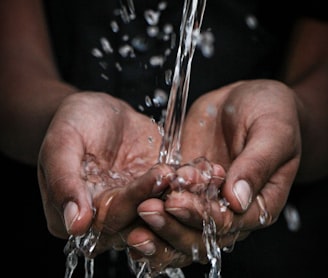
(250,39)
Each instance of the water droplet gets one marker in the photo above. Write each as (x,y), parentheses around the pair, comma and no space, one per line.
(106,45)
(148,101)
(168,28)
(251,21)
(152,17)
(205,43)
(162,5)
(104,76)
(118,66)
(292,217)
(97,53)
(157,61)
(140,43)
(160,98)
(152,31)
(126,51)
(114,26)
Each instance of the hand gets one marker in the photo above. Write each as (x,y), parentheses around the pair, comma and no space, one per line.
(251,128)
(168,242)
(96,152)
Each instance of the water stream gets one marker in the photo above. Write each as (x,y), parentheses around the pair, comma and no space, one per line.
(192,16)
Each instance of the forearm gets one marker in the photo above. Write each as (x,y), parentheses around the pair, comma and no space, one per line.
(313,93)
(27,106)
(307,74)
(30,87)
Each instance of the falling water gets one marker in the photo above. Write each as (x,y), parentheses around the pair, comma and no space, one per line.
(192,16)
(193,12)
(191,22)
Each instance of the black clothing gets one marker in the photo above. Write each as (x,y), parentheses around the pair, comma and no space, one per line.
(250,42)
(242,50)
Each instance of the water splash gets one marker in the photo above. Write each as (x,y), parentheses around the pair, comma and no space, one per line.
(193,12)
(192,16)
(80,246)
(190,36)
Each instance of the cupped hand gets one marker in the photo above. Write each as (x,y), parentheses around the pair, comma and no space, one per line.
(97,152)
(251,129)
(168,242)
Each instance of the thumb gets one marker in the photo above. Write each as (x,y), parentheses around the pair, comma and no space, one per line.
(117,207)
(268,164)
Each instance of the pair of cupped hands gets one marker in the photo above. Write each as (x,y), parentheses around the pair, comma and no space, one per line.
(98,169)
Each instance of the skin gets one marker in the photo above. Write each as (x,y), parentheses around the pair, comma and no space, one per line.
(260,147)
(246,134)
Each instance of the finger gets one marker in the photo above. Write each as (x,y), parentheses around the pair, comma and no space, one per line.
(261,213)
(267,158)
(197,175)
(183,238)
(189,206)
(117,241)
(62,186)
(117,207)
(144,244)
(189,210)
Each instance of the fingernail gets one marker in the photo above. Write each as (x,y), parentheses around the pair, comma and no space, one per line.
(71,214)
(179,213)
(147,247)
(243,193)
(153,218)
